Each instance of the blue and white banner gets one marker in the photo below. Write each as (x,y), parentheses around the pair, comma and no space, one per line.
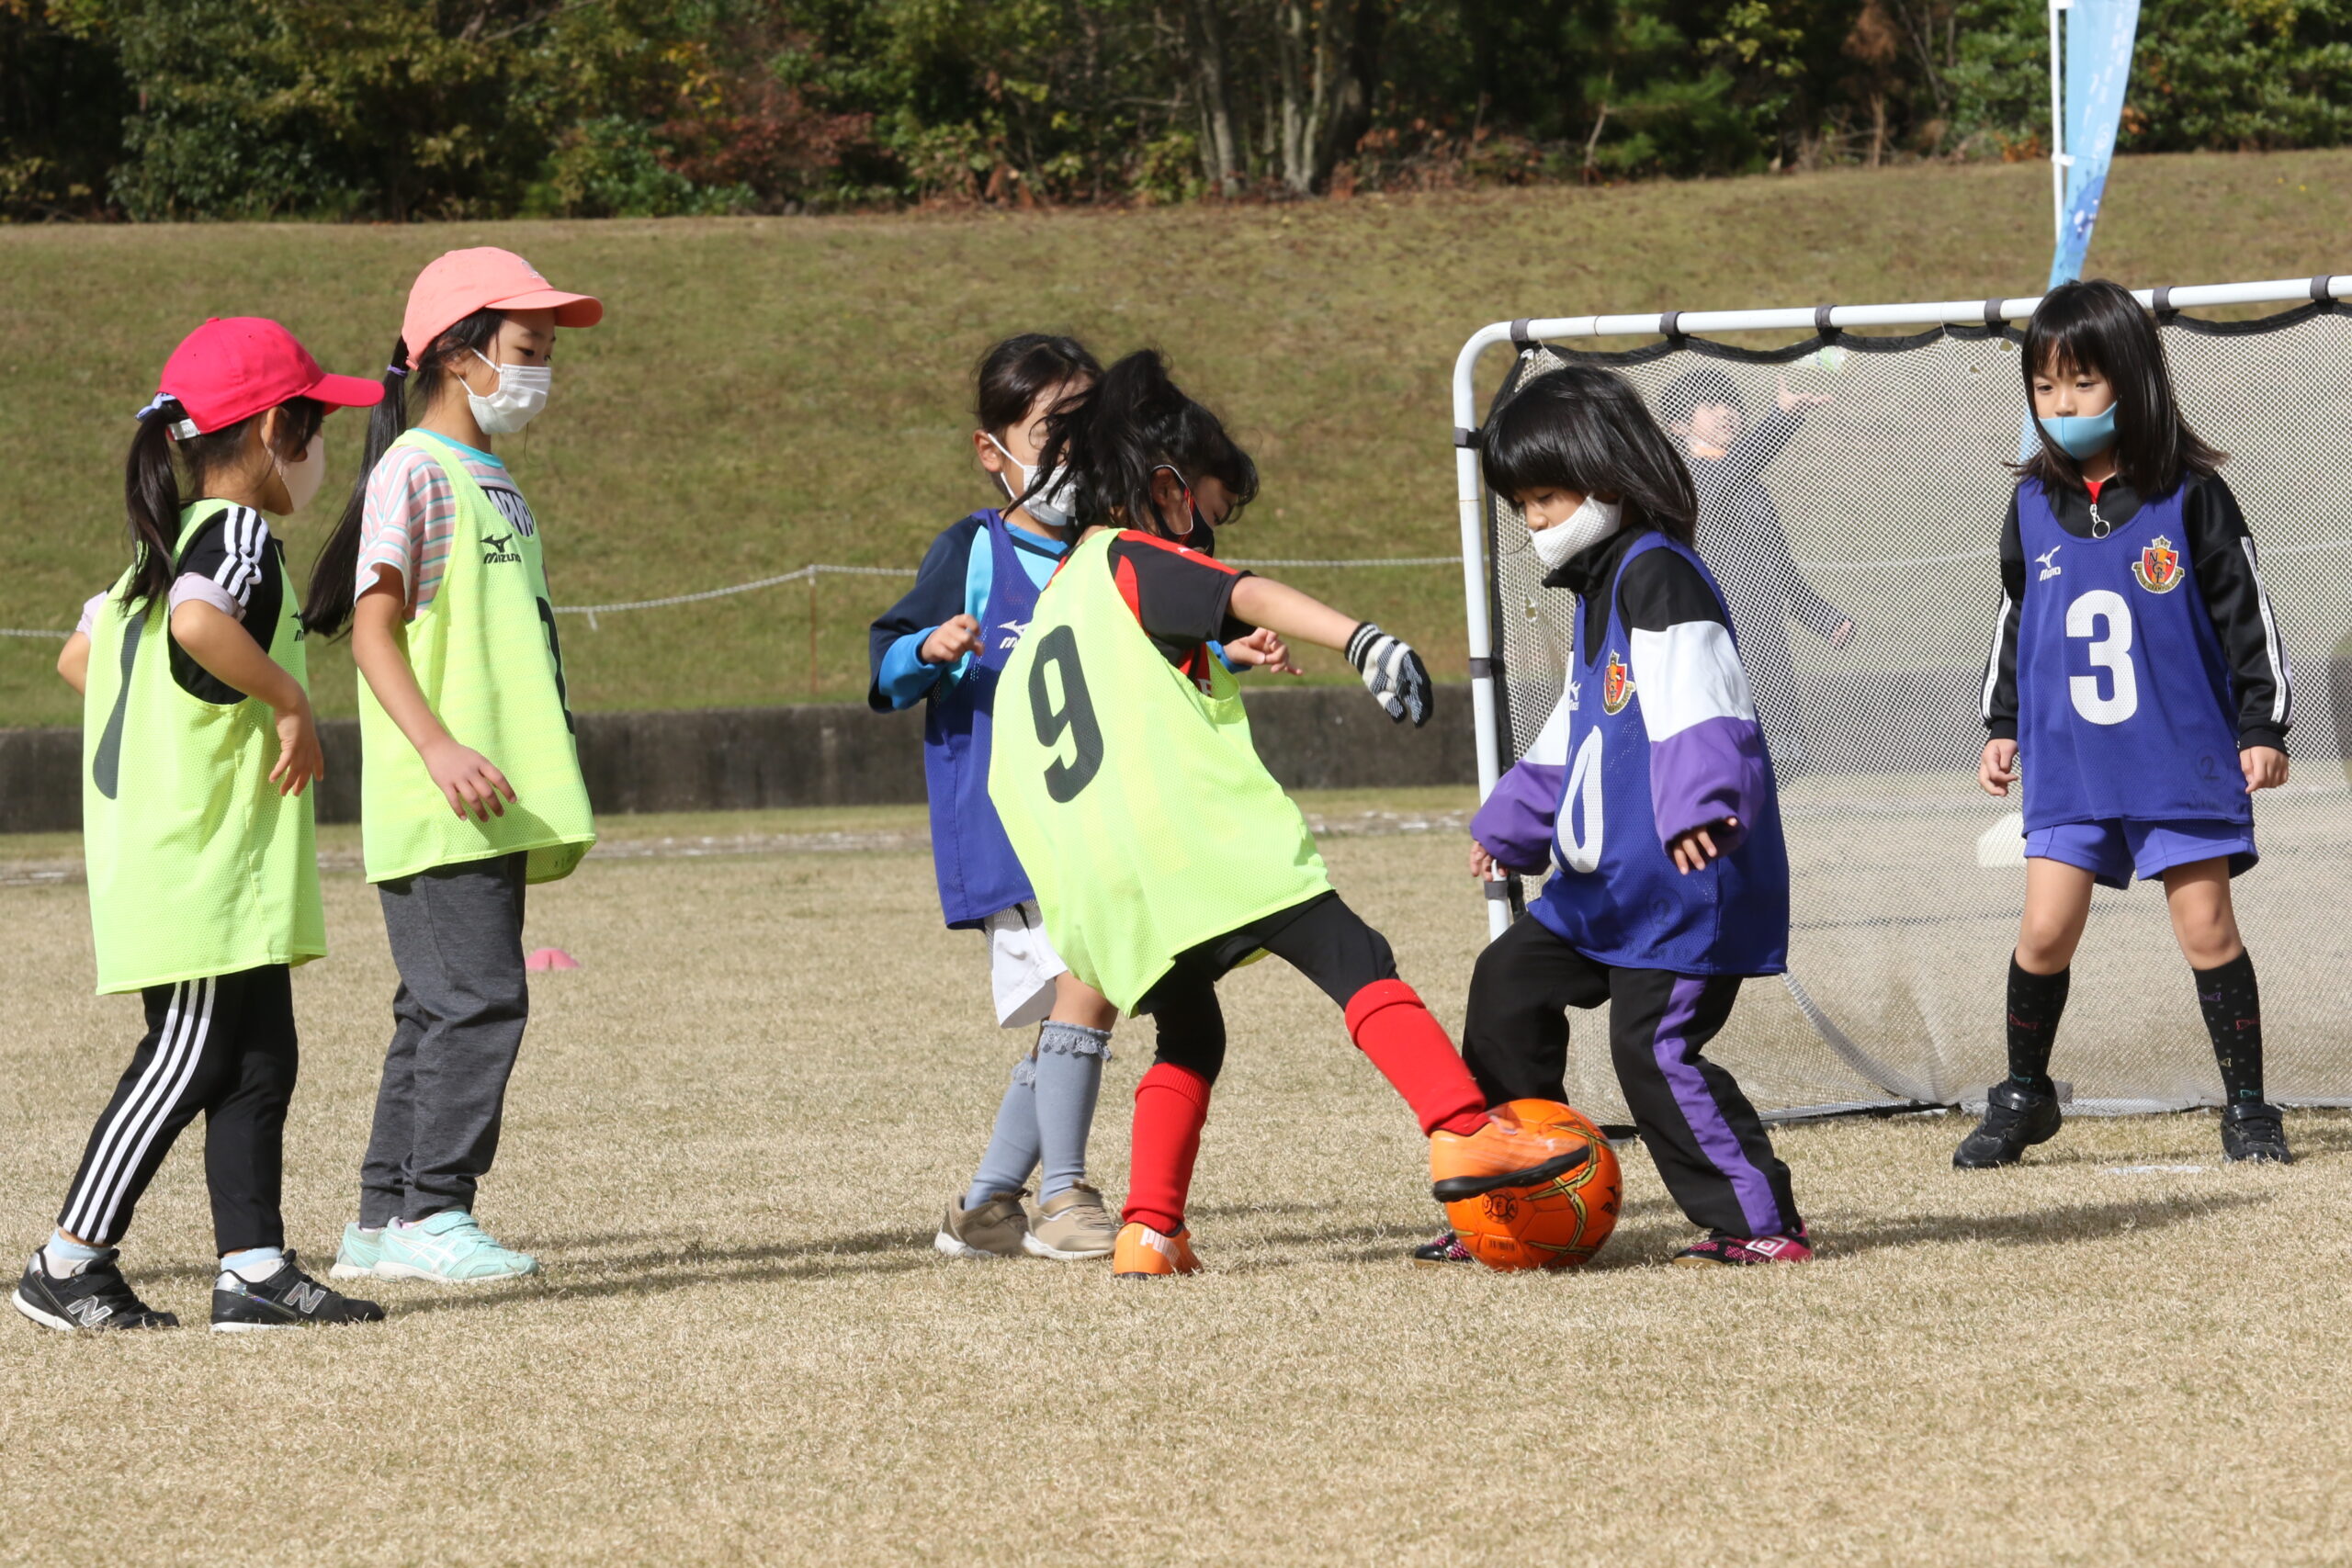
(2098,67)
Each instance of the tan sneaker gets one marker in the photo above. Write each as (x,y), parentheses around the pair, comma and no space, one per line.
(1072,1224)
(996,1229)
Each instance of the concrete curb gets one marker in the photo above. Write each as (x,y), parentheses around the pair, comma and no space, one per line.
(832,754)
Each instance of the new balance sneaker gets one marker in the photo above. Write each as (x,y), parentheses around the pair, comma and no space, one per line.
(1720,1250)
(1071,1226)
(1446,1249)
(358,1255)
(94,1296)
(1504,1152)
(288,1299)
(2015,1119)
(1145,1254)
(998,1228)
(2253,1133)
(449,1248)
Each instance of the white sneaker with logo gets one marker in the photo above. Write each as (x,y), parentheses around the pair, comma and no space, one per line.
(449,1248)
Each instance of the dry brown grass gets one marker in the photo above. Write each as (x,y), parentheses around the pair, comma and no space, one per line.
(733,1129)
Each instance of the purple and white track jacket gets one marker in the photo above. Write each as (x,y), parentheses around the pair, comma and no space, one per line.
(1655,734)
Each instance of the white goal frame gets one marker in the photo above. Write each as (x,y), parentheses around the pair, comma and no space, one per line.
(1470,490)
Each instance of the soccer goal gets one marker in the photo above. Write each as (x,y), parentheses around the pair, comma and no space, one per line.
(1854,522)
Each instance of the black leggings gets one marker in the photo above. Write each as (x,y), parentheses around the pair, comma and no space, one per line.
(1710,1145)
(1322,939)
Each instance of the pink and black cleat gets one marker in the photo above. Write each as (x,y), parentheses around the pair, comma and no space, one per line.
(1720,1250)
(1446,1249)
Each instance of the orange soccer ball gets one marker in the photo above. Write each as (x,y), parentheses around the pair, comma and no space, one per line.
(1558,1224)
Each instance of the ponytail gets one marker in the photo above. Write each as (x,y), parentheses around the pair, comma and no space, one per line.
(1133,421)
(150,499)
(152,492)
(326,608)
(334,576)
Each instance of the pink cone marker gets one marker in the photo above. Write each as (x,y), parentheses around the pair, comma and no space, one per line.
(550,958)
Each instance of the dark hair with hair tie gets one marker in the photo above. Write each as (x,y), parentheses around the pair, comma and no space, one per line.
(1131,422)
(150,480)
(326,609)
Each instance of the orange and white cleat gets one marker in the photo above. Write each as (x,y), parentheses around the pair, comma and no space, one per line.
(1143,1252)
(1506,1152)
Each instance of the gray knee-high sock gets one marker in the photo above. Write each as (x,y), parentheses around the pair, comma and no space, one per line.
(1011,1152)
(1070,1076)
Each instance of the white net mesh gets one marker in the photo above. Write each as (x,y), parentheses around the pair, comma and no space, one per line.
(1907,878)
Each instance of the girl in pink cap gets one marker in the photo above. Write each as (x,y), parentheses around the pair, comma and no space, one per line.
(198,749)
(470,788)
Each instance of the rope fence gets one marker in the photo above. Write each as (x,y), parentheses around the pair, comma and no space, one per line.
(815,570)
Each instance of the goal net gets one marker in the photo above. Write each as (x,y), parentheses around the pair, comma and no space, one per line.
(1856,540)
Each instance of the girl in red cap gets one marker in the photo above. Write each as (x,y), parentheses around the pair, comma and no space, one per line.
(197,748)
(471,786)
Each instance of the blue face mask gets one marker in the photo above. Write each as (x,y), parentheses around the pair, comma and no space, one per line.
(2079,437)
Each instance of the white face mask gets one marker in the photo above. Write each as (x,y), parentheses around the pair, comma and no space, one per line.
(1587,525)
(1052,505)
(304,476)
(522,393)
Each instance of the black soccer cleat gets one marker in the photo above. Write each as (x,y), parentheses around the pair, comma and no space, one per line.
(1446,1249)
(2015,1119)
(2253,1133)
(97,1296)
(288,1299)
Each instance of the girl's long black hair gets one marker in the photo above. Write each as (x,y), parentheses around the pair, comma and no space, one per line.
(1131,423)
(2096,325)
(150,481)
(1012,374)
(326,609)
(1585,429)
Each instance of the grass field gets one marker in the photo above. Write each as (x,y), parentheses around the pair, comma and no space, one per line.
(767,392)
(733,1129)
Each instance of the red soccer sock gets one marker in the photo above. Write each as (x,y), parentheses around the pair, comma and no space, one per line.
(1171,1103)
(1390,1024)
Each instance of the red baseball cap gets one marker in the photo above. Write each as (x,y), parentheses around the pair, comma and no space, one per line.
(458,283)
(233,368)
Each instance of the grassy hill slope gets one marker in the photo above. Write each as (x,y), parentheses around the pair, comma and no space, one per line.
(771,391)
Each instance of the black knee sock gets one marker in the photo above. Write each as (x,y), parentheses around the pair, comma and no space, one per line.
(2232,1006)
(2035,1003)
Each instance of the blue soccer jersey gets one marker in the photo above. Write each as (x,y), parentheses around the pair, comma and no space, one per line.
(1660,737)
(981,568)
(2124,696)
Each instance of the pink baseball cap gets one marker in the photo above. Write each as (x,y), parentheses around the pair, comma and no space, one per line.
(458,283)
(233,368)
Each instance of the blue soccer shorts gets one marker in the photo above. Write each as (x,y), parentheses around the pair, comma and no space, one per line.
(2116,851)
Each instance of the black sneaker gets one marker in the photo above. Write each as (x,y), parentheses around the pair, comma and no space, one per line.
(2252,1132)
(288,1299)
(1446,1249)
(95,1296)
(2015,1119)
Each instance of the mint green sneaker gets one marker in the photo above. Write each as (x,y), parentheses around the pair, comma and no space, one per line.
(358,1255)
(449,1249)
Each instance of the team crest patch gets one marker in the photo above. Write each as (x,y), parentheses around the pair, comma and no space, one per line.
(2158,568)
(1616,685)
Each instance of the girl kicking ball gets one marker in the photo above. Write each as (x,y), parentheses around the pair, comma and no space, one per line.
(1658,811)
(1161,850)
(2137,681)
(471,788)
(944,645)
(197,750)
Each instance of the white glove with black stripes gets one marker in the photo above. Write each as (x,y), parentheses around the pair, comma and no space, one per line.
(1393,673)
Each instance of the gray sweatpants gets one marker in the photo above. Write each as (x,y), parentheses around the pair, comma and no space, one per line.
(456,939)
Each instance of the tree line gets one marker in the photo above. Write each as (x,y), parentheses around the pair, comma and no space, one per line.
(405,109)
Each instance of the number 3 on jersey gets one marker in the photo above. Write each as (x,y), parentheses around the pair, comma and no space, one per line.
(1582,826)
(2110,652)
(1071,715)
